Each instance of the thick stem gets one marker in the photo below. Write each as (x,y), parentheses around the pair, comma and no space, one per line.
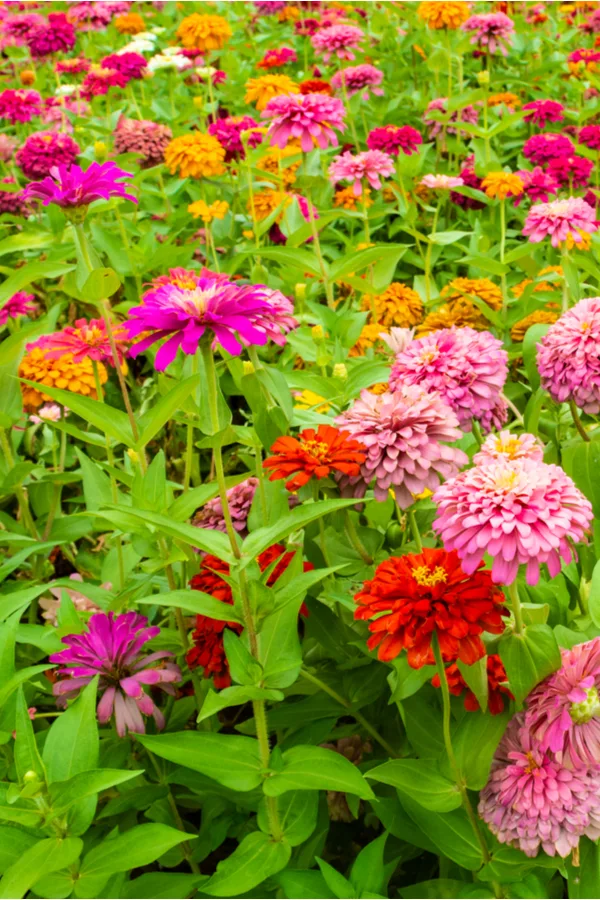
(515,602)
(577,421)
(415,530)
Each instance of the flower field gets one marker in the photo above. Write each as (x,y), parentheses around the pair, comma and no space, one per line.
(300,428)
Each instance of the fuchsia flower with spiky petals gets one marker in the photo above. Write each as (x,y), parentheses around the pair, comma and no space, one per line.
(467,367)
(54,35)
(538,185)
(337,40)
(111,649)
(491,31)
(560,219)
(70,186)
(541,148)
(44,150)
(543,111)
(521,512)
(20,304)
(311,118)
(506,446)
(359,79)
(19,106)
(568,356)
(229,131)
(531,800)
(393,138)
(405,434)
(372,165)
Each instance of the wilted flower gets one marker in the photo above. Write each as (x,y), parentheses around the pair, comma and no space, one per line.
(49,412)
(559,219)
(239,501)
(338,41)
(51,605)
(372,165)
(506,446)
(310,118)
(314,453)
(71,186)
(568,356)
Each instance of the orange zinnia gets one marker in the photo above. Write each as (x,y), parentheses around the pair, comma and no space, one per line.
(314,453)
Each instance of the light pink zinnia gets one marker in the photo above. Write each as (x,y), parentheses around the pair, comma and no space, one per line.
(337,40)
(359,79)
(568,356)
(563,711)
(309,117)
(506,446)
(491,31)
(560,219)
(371,164)
(467,367)
(441,182)
(532,800)
(521,512)
(405,434)
(467,113)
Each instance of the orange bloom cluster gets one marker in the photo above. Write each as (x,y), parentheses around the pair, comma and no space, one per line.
(130,23)
(398,305)
(204,32)
(497,689)
(500,185)
(441,14)
(195,155)
(62,373)
(266,87)
(314,454)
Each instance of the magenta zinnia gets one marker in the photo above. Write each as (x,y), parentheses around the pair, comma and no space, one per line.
(393,138)
(540,112)
(560,219)
(70,186)
(19,106)
(521,512)
(541,148)
(311,118)
(111,648)
(43,151)
(568,356)
(20,304)
(359,79)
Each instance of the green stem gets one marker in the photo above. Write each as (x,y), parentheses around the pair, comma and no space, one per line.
(513,593)
(502,254)
(189,447)
(415,530)
(317,245)
(20,492)
(122,384)
(577,421)
(185,847)
(428,254)
(356,541)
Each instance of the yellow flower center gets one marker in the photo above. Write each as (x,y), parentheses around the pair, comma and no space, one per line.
(510,448)
(506,481)
(316,448)
(427,577)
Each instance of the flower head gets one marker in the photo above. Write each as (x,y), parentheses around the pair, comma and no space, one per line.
(393,138)
(43,151)
(84,340)
(358,79)
(544,111)
(589,136)
(200,209)
(531,800)
(195,155)
(51,605)
(405,434)
(541,148)
(20,304)
(146,138)
(568,356)
(504,98)
(537,317)
(521,512)
(459,309)
(277,57)
(49,412)
(469,179)
(500,185)
(19,106)
(71,186)
(130,23)
(267,87)
(112,649)
(571,171)
(491,31)
(441,182)
(310,118)
(314,454)
(99,80)
(204,32)
(55,34)
(443,14)
(63,373)
(468,114)
(497,689)
(229,132)
(538,185)
(338,41)
(412,597)
(132,65)
(505,446)
(371,164)
(18,27)
(398,305)
(558,219)
(467,367)
(239,500)
(315,86)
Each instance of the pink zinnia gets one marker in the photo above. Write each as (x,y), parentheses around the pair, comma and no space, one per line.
(19,27)
(57,34)
(98,82)
(91,15)
(146,138)
(19,106)
(531,800)
(73,66)
(7,147)
(20,304)
(521,512)
(467,367)
(467,113)
(469,179)
(70,186)
(269,7)
(405,434)
(544,111)
(311,118)
(541,148)
(538,185)
(239,500)
(112,649)
(372,165)
(43,151)
(337,40)
(132,65)
(393,138)
(491,31)
(359,79)
(83,340)
(589,135)
(12,201)
(506,446)
(229,131)
(441,182)
(559,219)
(568,356)
(563,711)
(572,171)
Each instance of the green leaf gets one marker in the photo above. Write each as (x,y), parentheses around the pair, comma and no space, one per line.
(27,755)
(356,262)
(308,768)
(475,741)
(528,658)
(448,237)
(194,602)
(476,679)
(368,871)
(298,259)
(297,814)
(100,285)
(335,881)
(46,856)
(243,667)
(306,883)
(17,601)
(188,502)
(164,408)
(33,271)
(162,886)
(594,596)
(96,484)
(18,811)
(584,879)
(64,794)
(582,463)
(451,832)
(234,696)
(533,336)
(13,843)
(256,858)
(436,889)
(232,760)
(212,542)
(422,780)
(509,865)
(280,650)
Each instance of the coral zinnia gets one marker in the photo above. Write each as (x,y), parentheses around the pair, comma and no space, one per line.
(560,219)
(405,435)
(497,689)
(203,32)
(411,597)
(521,512)
(398,305)
(314,453)
(506,446)
(267,87)
(111,648)
(444,14)
(500,185)
(86,340)
(310,118)
(568,356)
(195,155)
(71,186)
(62,373)
(144,137)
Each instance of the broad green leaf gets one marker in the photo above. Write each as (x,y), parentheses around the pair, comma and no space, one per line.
(33,271)
(27,755)
(202,538)
(528,658)
(64,794)
(16,601)
(336,882)
(584,879)
(298,259)
(594,596)
(356,262)
(13,844)
(232,760)
(475,741)
(279,645)
(46,856)
(100,285)
(533,336)
(162,886)
(297,814)
(509,864)
(10,686)
(451,832)
(20,812)
(298,586)
(368,871)
(437,889)
(308,768)
(422,780)
(448,237)
(244,668)
(194,602)
(256,858)
(306,883)
(476,679)
(582,463)
(96,484)
(234,696)
(164,409)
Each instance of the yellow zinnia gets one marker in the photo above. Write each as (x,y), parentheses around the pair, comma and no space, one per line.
(201,210)
(266,87)
(204,32)
(398,305)
(500,185)
(62,373)
(195,155)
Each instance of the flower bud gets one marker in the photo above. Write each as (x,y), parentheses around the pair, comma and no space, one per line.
(27,77)
(100,150)
(248,367)
(483,77)
(198,102)
(300,291)
(340,371)
(30,777)
(133,456)
(317,332)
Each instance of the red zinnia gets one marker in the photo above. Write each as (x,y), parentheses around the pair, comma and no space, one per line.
(316,86)
(413,595)
(314,453)
(496,676)
(208,650)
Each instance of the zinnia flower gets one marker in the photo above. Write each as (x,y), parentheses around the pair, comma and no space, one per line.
(84,340)
(405,434)
(44,151)
(310,118)
(443,14)
(531,800)
(71,186)
(491,31)
(314,454)
(359,79)
(51,605)
(568,356)
(239,501)
(506,446)
(267,87)
(393,138)
(63,373)
(195,155)
(315,86)
(559,219)
(132,65)
(521,512)
(459,310)
(544,111)
(372,165)
(19,106)
(467,367)
(472,180)
(441,182)
(541,148)
(537,317)
(201,210)
(148,139)
(278,57)
(497,689)
(411,597)
(204,32)
(571,171)
(337,40)
(54,35)
(589,136)
(111,648)
(468,113)
(20,304)
(398,305)
(130,23)
(229,132)
(537,184)
(500,185)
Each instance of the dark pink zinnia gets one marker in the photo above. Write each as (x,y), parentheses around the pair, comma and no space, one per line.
(468,113)
(544,111)
(19,106)
(20,304)
(71,186)
(98,82)
(132,65)
(539,185)
(470,179)
(589,136)
(54,36)
(541,148)
(573,171)
(228,132)
(12,202)
(19,27)
(393,138)
(44,150)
